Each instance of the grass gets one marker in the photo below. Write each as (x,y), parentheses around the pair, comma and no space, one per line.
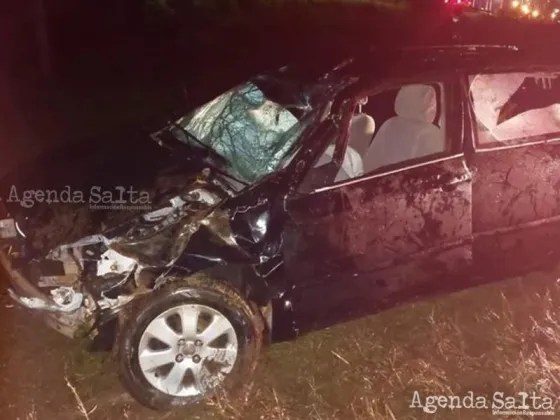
(502,337)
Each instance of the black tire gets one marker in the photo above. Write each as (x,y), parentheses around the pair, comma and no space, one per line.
(198,289)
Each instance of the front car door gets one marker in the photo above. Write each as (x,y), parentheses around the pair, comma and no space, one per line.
(397,218)
(516,191)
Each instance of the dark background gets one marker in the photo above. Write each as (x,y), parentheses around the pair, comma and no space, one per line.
(79,70)
(83,70)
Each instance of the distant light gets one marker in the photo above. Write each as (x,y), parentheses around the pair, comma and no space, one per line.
(525,9)
(535,13)
(515,4)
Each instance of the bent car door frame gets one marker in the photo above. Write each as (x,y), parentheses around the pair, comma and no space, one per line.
(357,245)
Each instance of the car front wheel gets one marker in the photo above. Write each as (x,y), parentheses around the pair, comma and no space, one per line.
(182,344)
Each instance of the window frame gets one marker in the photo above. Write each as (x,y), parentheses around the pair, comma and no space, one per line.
(507,144)
(453,123)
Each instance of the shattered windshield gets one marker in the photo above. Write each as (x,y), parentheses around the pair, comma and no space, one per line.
(513,108)
(253,133)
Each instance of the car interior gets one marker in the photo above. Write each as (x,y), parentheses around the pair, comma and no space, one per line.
(413,131)
(389,127)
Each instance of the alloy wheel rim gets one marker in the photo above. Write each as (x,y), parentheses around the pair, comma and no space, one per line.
(187,350)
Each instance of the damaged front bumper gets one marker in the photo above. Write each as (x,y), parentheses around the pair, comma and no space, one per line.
(79,286)
(8,229)
(63,310)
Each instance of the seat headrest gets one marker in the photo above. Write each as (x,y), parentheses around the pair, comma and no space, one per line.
(417,102)
(362,128)
(362,123)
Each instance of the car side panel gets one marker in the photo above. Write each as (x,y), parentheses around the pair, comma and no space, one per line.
(516,209)
(361,244)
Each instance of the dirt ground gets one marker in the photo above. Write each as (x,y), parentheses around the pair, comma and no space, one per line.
(498,338)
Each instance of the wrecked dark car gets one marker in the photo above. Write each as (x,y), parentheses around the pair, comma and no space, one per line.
(294,205)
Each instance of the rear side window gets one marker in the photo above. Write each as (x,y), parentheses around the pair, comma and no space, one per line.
(515,108)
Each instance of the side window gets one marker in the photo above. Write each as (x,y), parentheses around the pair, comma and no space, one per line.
(389,129)
(397,127)
(515,108)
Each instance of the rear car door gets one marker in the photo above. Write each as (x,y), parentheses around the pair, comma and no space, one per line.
(516,191)
(400,227)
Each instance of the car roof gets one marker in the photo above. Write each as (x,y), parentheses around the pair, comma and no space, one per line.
(513,40)
(471,42)
(311,40)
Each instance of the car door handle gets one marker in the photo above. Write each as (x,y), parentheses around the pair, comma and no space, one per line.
(450,182)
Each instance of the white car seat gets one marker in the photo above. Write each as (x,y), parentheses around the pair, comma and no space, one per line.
(411,134)
(360,133)
(362,128)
